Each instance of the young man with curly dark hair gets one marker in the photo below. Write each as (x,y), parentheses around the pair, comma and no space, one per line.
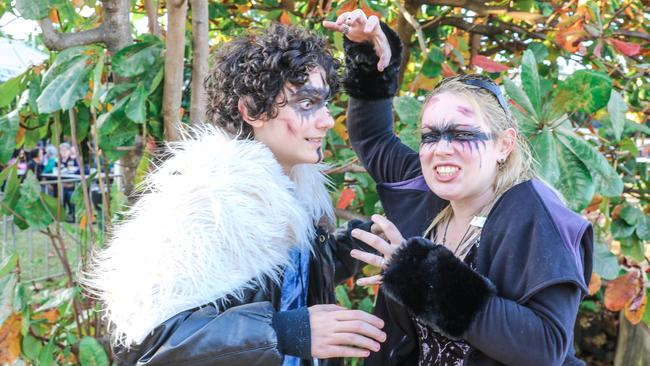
(228,259)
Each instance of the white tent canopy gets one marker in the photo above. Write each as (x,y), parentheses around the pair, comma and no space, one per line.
(16,57)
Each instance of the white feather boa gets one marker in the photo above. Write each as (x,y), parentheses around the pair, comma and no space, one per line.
(220,214)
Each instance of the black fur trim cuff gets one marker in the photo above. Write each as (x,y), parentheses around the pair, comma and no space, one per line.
(362,79)
(438,288)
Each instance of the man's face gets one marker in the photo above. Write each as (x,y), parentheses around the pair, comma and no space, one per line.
(296,134)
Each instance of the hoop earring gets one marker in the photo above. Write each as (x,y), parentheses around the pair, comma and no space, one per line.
(501,164)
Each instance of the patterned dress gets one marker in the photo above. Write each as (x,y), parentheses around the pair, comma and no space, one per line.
(435,348)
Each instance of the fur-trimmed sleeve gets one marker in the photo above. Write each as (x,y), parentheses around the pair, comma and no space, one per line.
(436,287)
(362,79)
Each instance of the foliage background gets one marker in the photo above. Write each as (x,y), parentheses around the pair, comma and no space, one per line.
(576,72)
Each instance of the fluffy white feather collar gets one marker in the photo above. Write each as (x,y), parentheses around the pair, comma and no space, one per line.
(220,215)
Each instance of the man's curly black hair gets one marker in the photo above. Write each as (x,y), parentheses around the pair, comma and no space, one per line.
(256,67)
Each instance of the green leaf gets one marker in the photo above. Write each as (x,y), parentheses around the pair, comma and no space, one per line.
(10,89)
(7,294)
(31,347)
(91,353)
(605,262)
(33,9)
(609,182)
(11,190)
(115,132)
(432,65)
(135,108)
(408,111)
(575,182)
(30,188)
(630,214)
(530,81)
(632,247)
(366,305)
(46,357)
(620,229)
(544,146)
(97,80)
(342,296)
(8,130)
(7,265)
(67,87)
(539,50)
(137,58)
(519,96)
(643,228)
(616,107)
(584,91)
(56,298)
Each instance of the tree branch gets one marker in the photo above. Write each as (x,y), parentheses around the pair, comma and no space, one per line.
(347,215)
(478,7)
(152,17)
(57,41)
(199,59)
(485,29)
(633,34)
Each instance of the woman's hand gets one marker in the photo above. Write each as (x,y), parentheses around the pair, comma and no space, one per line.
(385,238)
(359,28)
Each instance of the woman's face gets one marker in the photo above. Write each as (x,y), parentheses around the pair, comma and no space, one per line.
(458,153)
(296,134)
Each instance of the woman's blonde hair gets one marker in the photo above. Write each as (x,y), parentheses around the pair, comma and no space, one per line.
(519,166)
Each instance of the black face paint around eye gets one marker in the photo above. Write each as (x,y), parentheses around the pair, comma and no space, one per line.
(464,135)
(307,100)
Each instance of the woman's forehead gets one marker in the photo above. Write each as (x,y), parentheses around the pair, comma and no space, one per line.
(448,108)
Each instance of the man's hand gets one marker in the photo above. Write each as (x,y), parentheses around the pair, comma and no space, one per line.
(359,28)
(340,332)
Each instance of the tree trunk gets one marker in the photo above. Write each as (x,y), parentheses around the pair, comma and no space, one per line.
(633,348)
(199,59)
(174,60)
(406,32)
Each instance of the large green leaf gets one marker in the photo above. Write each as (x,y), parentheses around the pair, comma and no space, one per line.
(621,229)
(137,58)
(631,214)
(608,180)
(91,353)
(432,65)
(616,107)
(527,126)
(408,110)
(519,96)
(8,129)
(575,182)
(116,133)
(545,150)
(135,109)
(643,228)
(67,87)
(10,89)
(605,262)
(584,91)
(530,81)
(33,9)
(29,206)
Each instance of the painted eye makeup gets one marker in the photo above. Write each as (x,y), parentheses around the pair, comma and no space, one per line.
(466,136)
(307,100)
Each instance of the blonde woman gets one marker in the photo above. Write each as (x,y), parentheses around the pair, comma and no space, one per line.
(495,265)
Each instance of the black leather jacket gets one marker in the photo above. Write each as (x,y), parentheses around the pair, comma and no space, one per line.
(242,333)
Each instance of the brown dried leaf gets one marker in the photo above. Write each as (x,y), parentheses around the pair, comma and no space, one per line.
(594,283)
(634,311)
(620,291)
(10,339)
